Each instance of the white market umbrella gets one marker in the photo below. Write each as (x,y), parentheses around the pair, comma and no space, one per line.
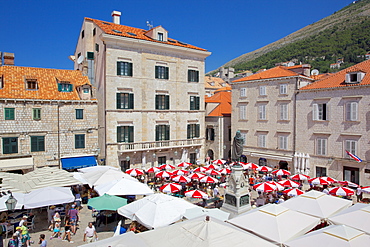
(123,187)
(156,210)
(96,168)
(95,178)
(275,222)
(118,229)
(338,236)
(216,213)
(317,204)
(48,196)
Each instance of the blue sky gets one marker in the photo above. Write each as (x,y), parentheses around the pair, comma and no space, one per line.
(44,33)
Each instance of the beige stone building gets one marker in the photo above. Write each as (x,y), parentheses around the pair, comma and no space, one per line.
(332,118)
(150,89)
(263,110)
(218,124)
(48,117)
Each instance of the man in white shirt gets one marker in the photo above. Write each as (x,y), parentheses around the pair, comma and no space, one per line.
(24,219)
(89,233)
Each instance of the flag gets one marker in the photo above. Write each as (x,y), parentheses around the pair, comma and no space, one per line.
(354,156)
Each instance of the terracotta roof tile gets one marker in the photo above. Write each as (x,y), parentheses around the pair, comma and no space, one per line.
(214,82)
(14,86)
(224,107)
(338,79)
(135,33)
(276,72)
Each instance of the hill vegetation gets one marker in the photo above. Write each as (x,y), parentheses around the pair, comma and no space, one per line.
(343,35)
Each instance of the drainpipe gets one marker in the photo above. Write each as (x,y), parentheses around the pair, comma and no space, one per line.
(58,109)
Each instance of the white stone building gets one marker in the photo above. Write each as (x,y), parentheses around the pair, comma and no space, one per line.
(263,110)
(48,117)
(333,117)
(150,90)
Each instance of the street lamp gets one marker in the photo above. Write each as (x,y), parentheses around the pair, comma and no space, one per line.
(127,158)
(11,202)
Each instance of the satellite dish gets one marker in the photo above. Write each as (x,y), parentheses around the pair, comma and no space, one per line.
(314,72)
(80,59)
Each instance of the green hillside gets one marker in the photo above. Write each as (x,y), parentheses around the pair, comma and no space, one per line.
(343,35)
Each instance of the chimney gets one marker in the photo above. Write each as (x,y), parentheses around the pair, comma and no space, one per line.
(116,16)
(8,58)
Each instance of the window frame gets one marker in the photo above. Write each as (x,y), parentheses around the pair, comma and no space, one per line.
(80,142)
(162,101)
(65,87)
(262,140)
(194,103)
(12,148)
(284,111)
(319,112)
(36,113)
(262,114)
(32,82)
(321,146)
(243,112)
(9,113)
(351,146)
(283,142)
(243,92)
(193,131)
(283,89)
(125,100)
(124,68)
(79,113)
(39,142)
(262,90)
(125,134)
(210,133)
(351,111)
(162,72)
(193,75)
(162,132)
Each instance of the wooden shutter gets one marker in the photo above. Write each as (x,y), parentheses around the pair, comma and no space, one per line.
(189,75)
(197,105)
(118,100)
(197,130)
(315,112)
(131,101)
(119,132)
(156,71)
(212,134)
(6,145)
(130,133)
(129,69)
(157,127)
(166,73)
(157,102)
(207,134)
(188,131)
(197,76)
(119,68)
(167,133)
(59,87)
(167,102)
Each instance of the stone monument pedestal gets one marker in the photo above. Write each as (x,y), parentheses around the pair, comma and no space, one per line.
(237,195)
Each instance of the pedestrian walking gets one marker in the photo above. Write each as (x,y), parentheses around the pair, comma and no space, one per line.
(89,233)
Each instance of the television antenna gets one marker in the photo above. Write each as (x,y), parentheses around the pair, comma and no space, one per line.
(314,72)
(149,24)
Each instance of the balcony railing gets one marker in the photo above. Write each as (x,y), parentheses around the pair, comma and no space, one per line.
(157,145)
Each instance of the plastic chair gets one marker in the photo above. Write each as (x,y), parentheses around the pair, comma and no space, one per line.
(31,224)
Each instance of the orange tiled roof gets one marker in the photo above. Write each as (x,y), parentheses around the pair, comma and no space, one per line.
(276,72)
(338,79)
(14,83)
(217,82)
(135,33)
(224,107)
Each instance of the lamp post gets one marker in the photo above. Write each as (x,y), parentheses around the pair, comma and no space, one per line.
(11,202)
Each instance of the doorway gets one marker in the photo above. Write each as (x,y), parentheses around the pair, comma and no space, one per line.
(125,165)
(351,174)
(283,165)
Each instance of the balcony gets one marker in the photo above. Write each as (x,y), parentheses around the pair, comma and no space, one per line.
(158,145)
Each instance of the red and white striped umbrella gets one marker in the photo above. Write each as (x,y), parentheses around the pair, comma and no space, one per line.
(225,171)
(293,192)
(264,169)
(184,164)
(200,169)
(289,183)
(153,170)
(196,194)
(180,172)
(320,180)
(170,188)
(196,176)
(341,191)
(349,184)
(251,166)
(180,179)
(264,187)
(278,186)
(208,179)
(219,162)
(280,172)
(135,172)
(366,189)
(300,177)
(163,174)
(213,172)
(167,167)
(212,166)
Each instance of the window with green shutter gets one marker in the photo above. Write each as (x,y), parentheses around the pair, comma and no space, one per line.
(161,72)
(79,141)
(162,102)
(36,113)
(9,113)
(193,75)
(124,68)
(90,55)
(194,102)
(162,132)
(64,87)
(37,143)
(10,145)
(125,101)
(125,134)
(79,113)
(193,131)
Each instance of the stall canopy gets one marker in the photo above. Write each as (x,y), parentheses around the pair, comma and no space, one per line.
(16,164)
(317,204)
(128,239)
(48,196)
(357,216)
(123,186)
(78,162)
(275,223)
(338,236)
(39,178)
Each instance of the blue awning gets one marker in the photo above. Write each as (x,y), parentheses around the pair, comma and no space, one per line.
(78,162)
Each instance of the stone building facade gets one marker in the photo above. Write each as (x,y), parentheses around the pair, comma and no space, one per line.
(150,90)
(42,111)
